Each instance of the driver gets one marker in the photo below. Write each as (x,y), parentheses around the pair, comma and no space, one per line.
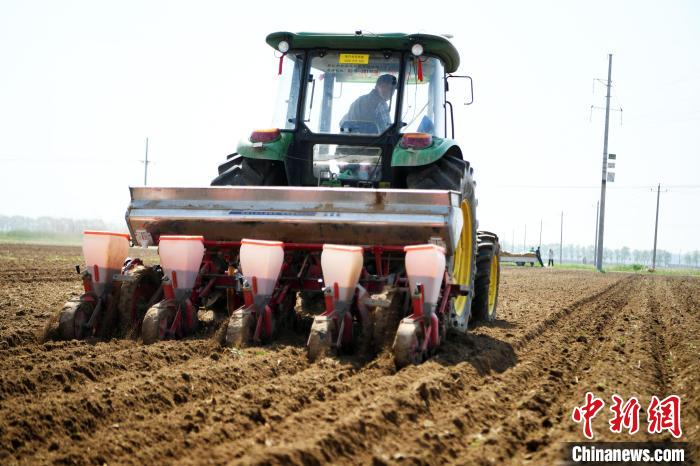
(373,107)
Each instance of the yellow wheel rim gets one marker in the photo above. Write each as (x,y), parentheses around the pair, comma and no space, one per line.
(464,257)
(493,284)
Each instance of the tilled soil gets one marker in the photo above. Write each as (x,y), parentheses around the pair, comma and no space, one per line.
(502,394)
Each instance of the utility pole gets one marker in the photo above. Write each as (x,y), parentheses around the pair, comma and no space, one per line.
(525,239)
(513,243)
(145,166)
(595,247)
(601,214)
(540,243)
(561,236)
(656,225)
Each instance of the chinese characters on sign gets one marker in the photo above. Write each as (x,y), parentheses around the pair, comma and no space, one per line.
(662,415)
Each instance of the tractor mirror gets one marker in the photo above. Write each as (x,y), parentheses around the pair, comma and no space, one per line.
(469,91)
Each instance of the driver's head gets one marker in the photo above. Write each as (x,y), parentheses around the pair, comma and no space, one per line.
(386,84)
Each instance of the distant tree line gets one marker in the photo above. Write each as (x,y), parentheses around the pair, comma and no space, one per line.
(53,224)
(575,253)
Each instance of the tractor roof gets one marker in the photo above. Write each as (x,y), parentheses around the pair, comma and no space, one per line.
(433,45)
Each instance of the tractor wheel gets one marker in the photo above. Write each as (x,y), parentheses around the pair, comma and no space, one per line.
(231,160)
(72,318)
(321,337)
(488,273)
(451,172)
(406,345)
(157,322)
(134,297)
(240,329)
(445,173)
(242,171)
(228,170)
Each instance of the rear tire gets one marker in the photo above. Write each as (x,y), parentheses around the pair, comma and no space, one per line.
(445,173)
(452,173)
(488,273)
(231,160)
(242,171)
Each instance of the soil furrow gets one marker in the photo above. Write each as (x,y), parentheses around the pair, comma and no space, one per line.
(503,393)
(506,418)
(77,413)
(85,364)
(240,412)
(417,396)
(626,364)
(470,427)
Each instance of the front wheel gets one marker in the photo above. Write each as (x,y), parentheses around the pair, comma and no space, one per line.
(488,275)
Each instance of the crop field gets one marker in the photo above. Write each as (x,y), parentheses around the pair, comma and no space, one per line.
(501,394)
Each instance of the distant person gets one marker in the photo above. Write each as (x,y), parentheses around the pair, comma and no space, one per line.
(373,107)
(550,262)
(539,256)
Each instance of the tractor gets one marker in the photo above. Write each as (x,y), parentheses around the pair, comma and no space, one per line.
(354,203)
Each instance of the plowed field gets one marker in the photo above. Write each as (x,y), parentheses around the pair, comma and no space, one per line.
(502,394)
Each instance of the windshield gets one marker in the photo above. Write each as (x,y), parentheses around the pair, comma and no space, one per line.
(288,92)
(351,93)
(423,102)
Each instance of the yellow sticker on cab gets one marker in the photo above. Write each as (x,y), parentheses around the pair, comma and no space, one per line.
(354,58)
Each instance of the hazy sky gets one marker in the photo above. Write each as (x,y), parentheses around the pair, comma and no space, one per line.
(82,84)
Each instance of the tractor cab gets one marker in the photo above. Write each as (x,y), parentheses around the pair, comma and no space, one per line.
(352,110)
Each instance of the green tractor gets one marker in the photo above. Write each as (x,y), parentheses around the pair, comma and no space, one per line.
(370,111)
(355,200)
